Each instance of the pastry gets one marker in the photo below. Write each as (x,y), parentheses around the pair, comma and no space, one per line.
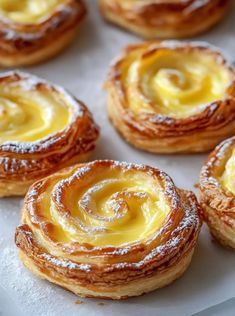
(42,129)
(32,31)
(107,229)
(217,187)
(172,97)
(164,18)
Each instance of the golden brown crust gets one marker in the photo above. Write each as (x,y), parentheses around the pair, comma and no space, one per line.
(105,271)
(218,203)
(27,44)
(22,163)
(164,19)
(159,133)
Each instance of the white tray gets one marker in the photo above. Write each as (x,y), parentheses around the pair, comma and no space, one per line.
(210,279)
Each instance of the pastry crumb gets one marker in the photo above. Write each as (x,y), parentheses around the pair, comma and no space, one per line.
(101,304)
(196,185)
(79,302)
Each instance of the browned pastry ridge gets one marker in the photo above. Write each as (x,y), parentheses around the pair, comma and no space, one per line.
(30,43)
(107,229)
(164,18)
(35,139)
(172,96)
(218,194)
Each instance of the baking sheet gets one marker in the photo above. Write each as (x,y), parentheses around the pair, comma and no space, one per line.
(210,279)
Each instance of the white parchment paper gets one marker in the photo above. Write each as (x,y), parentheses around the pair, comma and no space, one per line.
(210,279)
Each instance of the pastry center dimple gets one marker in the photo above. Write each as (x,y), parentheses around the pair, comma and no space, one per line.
(171,79)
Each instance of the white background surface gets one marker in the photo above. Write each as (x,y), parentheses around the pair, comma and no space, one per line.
(210,279)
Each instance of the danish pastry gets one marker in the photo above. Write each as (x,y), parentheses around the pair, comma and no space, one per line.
(42,129)
(107,229)
(32,31)
(218,192)
(172,97)
(164,18)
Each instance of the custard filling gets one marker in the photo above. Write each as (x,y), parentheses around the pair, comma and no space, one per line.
(227,179)
(108,209)
(28,11)
(173,83)
(28,116)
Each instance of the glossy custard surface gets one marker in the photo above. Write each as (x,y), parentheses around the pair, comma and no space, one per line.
(28,11)
(30,115)
(228,176)
(104,208)
(172,83)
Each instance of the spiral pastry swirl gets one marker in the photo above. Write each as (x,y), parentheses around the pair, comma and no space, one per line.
(170,96)
(164,18)
(218,191)
(92,227)
(42,129)
(32,31)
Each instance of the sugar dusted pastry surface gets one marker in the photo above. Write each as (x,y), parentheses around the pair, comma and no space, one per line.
(44,299)
(28,11)
(96,226)
(173,83)
(30,114)
(112,208)
(228,176)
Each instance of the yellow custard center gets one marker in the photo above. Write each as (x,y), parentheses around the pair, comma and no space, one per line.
(227,179)
(173,83)
(28,11)
(28,116)
(109,209)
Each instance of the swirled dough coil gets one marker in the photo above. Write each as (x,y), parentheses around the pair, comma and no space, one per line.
(42,129)
(218,192)
(172,97)
(32,31)
(164,18)
(108,229)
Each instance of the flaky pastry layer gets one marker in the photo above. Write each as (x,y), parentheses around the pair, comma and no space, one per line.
(172,97)
(27,38)
(218,194)
(108,229)
(164,19)
(43,129)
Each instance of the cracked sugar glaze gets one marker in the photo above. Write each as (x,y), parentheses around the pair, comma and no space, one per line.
(104,206)
(176,83)
(28,115)
(28,11)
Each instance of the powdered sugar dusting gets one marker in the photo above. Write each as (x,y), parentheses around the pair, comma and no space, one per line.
(29,82)
(195,5)
(21,284)
(66,263)
(179,231)
(12,165)
(29,147)
(60,186)
(162,249)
